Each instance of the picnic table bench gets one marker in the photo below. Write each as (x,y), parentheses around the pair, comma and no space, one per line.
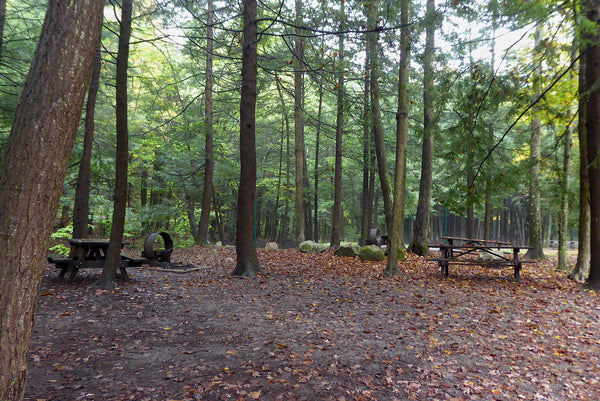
(87,253)
(91,253)
(487,253)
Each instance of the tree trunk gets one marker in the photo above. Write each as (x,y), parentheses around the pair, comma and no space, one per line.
(247,262)
(563,217)
(382,164)
(190,209)
(592,75)
(337,212)
(316,175)
(2,23)
(33,168)
(395,241)
(470,229)
(535,143)
(113,253)
(422,227)
(81,208)
(299,127)
(582,267)
(366,200)
(208,122)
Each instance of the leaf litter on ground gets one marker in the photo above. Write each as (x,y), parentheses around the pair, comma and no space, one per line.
(316,327)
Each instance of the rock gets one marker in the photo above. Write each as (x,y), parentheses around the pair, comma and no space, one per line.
(372,252)
(271,246)
(312,247)
(346,251)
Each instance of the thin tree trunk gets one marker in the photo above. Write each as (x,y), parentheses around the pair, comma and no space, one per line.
(113,253)
(33,168)
(2,23)
(535,144)
(563,217)
(317,150)
(582,267)
(422,227)
(299,127)
(208,122)
(247,262)
(337,212)
(384,174)
(81,208)
(395,242)
(366,200)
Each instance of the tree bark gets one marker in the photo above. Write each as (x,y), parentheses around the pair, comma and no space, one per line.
(247,262)
(382,164)
(337,212)
(81,208)
(535,144)
(395,241)
(592,76)
(113,253)
(422,227)
(582,267)
(366,200)
(33,168)
(299,127)
(563,216)
(316,228)
(208,122)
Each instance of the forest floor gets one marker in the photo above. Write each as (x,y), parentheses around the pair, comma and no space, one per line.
(316,327)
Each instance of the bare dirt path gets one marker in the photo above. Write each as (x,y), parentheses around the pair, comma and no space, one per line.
(316,327)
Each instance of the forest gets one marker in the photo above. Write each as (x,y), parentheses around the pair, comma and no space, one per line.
(286,121)
(493,72)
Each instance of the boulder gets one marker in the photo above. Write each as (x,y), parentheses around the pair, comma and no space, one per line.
(312,247)
(346,251)
(271,246)
(372,252)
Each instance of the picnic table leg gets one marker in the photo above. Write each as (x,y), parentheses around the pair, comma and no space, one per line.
(72,274)
(518,267)
(443,267)
(124,275)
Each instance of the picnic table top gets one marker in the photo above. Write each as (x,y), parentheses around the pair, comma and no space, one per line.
(488,246)
(91,241)
(475,240)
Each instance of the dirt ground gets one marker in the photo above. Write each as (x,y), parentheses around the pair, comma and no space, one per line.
(316,327)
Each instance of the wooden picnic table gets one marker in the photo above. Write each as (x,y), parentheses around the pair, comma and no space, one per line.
(488,253)
(87,253)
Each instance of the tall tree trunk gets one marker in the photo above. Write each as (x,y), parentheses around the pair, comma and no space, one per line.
(592,112)
(308,234)
(113,253)
(190,209)
(582,267)
(81,208)
(382,164)
(366,200)
(299,126)
(422,227)
(2,23)
(247,262)
(563,216)
(470,229)
(535,143)
(33,168)
(208,122)
(285,220)
(316,175)
(395,242)
(337,212)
